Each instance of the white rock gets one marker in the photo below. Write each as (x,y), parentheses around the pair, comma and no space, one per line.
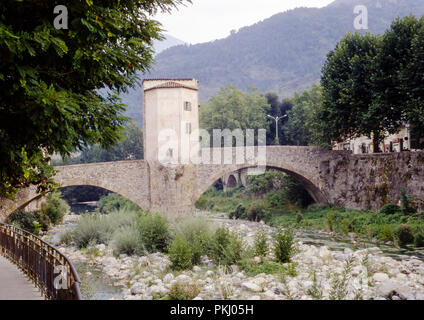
(197,269)
(168,278)
(325,254)
(101,247)
(209,273)
(380,277)
(269,295)
(251,286)
(138,288)
(254,298)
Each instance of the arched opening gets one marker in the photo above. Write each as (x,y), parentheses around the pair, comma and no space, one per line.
(277,191)
(232,181)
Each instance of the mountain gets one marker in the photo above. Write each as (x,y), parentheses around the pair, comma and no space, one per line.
(133,99)
(283,53)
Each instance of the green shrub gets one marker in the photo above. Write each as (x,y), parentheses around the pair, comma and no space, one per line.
(55,208)
(198,232)
(180,254)
(385,232)
(92,229)
(126,240)
(202,203)
(28,221)
(155,233)
(220,240)
(184,290)
(225,248)
(404,234)
(260,246)
(419,239)
(239,212)
(407,207)
(331,220)
(67,238)
(234,251)
(299,218)
(284,246)
(256,211)
(390,209)
(116,202)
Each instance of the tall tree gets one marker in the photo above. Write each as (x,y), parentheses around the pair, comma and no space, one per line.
(233,109)
(349,89)
(50,79)
(304,127)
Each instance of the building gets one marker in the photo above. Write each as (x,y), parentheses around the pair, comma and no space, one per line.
(398,142)
(170,116)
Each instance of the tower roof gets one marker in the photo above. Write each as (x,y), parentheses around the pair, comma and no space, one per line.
(171,84)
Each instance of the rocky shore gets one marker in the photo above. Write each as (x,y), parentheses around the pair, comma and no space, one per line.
(317,273)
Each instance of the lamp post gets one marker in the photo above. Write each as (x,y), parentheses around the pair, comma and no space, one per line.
(276,119)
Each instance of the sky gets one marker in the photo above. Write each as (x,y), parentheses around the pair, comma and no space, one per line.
(207,20)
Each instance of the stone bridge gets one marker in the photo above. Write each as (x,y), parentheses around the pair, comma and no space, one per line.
(337,177)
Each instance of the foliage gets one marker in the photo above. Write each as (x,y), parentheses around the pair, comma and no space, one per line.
(256,211)
(304,127)
(225,248)
(67,238)
(419,239)
(184,290)
(406,207)
(348,89)
(50,79)
(52,212)
(372,84)
(252,268)
(113,202)
(55,208)
(98,229)
(126,240)
(29,221)
(239,212)
(390,209)
(155,233)
(233,109)
(197,231)
(284,246)
(260,245)
(129,147)
(180,254)
(404,235)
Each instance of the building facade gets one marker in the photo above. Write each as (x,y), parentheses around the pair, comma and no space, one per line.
(398,142)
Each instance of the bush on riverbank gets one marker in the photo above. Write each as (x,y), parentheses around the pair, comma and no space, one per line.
(51,213)
(280,207)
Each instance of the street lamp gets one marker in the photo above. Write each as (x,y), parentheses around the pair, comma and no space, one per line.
(276,119)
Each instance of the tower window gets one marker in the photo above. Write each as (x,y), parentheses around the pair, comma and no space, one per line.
(187,106)
(188,128)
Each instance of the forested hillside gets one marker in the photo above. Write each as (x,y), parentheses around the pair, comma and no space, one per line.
(284,53)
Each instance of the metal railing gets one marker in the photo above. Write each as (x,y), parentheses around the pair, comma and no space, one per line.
(49,269)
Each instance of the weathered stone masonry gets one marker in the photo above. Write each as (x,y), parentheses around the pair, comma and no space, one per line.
(337,177)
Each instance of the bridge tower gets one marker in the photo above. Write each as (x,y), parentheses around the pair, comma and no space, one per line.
(170,117)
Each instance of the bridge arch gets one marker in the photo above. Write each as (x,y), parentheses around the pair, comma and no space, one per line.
(313,190)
